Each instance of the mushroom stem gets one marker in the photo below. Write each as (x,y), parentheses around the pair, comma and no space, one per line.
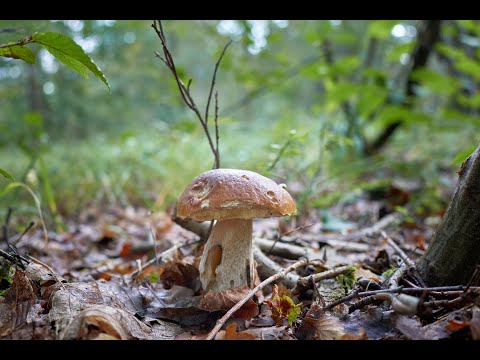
(227,260)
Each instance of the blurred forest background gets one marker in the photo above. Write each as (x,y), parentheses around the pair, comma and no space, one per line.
(329,107)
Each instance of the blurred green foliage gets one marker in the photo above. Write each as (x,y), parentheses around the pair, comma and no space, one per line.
(299,100)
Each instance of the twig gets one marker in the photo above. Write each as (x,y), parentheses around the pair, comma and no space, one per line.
(158,258)
(357,235)
(287,251)
(49,269)
(185,90)
(306,282)
(400,289)
(21,42)
(252,292)
(217,134)
(212,86)
(12,259)
(280,236)
(267,267)
(405,258)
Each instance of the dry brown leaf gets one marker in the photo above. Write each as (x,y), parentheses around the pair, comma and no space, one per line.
(413,329)
(350,336)
(180,273)
(326,327)
(366,274)
(232,334)
(225,300)
(455,325)
(17,303)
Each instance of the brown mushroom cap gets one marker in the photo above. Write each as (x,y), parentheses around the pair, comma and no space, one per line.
(233,194)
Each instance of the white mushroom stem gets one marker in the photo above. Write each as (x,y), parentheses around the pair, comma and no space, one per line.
(227,260)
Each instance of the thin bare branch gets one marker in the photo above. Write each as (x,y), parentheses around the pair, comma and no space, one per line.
(212,86)
(306,282)
(185,91)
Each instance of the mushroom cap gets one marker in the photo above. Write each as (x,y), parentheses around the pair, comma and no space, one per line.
(221,194)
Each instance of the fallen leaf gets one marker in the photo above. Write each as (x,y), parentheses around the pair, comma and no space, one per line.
(126,249)
(283,307)
(232,334)
(413,329)
(420,241)
(326,327)
(79,313)
(454,325)
(366,274)
(349,336)
(180,273)
(17,303)
(225,300)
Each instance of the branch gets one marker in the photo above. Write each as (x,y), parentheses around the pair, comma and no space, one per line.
(252,292)
(306,282)
(185,90)
(267,267)
(213,80)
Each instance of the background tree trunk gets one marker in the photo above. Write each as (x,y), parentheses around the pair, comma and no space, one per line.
(427,36)
(454,251)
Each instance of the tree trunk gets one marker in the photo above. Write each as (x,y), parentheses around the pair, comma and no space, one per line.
(427,37)
(454,251)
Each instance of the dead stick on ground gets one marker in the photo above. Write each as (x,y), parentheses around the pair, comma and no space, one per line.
(407,264)
(306,282)
(266,267)
(252,292)
(360,234)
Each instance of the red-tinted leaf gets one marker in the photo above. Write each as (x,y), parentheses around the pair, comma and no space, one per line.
(232,334)
(454,325)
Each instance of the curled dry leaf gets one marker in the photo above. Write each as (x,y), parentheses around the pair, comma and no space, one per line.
(232,334)
(326,327)
(80,311)
(180,272)
(225,300)
(17,303)
(350,336)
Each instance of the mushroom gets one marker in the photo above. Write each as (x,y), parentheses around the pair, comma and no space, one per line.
(233,198)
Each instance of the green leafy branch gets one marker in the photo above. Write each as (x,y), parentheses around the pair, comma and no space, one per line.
(63,48)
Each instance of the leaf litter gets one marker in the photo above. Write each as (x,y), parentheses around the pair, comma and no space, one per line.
(126,273)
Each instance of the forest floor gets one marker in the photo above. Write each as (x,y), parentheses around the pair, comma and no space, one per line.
(126,273)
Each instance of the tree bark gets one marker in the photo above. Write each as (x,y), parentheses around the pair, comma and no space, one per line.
(427,37)
(454,251)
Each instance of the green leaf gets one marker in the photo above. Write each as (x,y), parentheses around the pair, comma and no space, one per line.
(294,311)
(69,53)
(463,155)
(436,82)
(339,92)
(6,174)
(371,97)
(381,29)
(470,25)
(397,51)
(18,52)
